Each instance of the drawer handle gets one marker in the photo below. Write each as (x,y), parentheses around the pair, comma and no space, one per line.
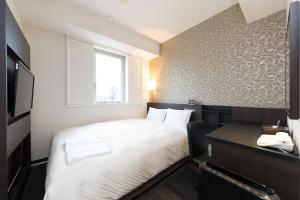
(209,150)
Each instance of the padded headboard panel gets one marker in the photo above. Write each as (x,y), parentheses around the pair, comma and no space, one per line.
(196,115)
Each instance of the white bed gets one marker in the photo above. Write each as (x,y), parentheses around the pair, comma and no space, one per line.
(141,149)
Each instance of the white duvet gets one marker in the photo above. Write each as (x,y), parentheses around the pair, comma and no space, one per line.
(140,150)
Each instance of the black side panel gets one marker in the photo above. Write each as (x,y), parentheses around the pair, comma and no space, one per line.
(15,163)
(294,27)
(16,39)
(259,115)
(3,120)
(197,132)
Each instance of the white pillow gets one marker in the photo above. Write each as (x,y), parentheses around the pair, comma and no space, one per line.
(155,114)
(178,119)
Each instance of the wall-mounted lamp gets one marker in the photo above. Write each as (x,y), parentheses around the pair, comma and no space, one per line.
(151,85)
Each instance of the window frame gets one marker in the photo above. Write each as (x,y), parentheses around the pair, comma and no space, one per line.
(123,74)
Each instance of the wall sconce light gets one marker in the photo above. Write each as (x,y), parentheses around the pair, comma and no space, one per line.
(151,85)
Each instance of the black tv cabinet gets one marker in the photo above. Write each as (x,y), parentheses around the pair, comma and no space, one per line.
(15,146)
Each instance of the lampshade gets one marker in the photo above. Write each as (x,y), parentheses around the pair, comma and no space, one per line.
(151,85)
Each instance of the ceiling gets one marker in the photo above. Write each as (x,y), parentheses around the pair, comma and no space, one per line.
(143,24)
(256,9)
(159,20)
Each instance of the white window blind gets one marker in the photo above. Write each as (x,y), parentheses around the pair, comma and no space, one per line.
(134,83)
(80,73)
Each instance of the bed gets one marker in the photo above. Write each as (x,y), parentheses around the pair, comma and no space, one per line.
(143,152)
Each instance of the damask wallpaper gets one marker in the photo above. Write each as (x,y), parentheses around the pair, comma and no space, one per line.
(224,61)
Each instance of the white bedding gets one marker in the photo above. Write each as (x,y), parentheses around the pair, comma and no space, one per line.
(80,148)
(140,150)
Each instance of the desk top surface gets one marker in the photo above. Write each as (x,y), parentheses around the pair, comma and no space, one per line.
(245,134)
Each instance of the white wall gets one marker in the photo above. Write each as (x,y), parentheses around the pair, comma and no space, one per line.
(73,20)
(296,132)
(50,113)
(294,126)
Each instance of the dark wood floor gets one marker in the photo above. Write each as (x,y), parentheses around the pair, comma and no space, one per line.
(35,187)
(178,186)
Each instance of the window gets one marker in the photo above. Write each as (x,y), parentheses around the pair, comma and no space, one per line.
(96,76)
(109,77)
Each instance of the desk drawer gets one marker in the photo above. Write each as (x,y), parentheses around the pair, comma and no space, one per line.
(216,183)
(281,175)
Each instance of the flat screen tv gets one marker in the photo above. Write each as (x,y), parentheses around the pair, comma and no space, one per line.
(24,84)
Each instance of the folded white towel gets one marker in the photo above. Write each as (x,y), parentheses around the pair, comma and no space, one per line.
(280,141)
(78,149)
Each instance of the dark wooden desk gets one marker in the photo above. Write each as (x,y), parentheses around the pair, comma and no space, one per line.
(234,148)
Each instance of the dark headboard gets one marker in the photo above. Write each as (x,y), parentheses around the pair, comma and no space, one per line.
(196,115)
(208,118)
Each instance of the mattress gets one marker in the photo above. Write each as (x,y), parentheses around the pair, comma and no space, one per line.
(140,150)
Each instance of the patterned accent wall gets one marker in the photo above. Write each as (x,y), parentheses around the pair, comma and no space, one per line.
(224,61)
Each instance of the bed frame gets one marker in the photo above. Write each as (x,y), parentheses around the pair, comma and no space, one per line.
(195,123)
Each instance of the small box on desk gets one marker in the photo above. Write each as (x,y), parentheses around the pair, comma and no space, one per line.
(271,129)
